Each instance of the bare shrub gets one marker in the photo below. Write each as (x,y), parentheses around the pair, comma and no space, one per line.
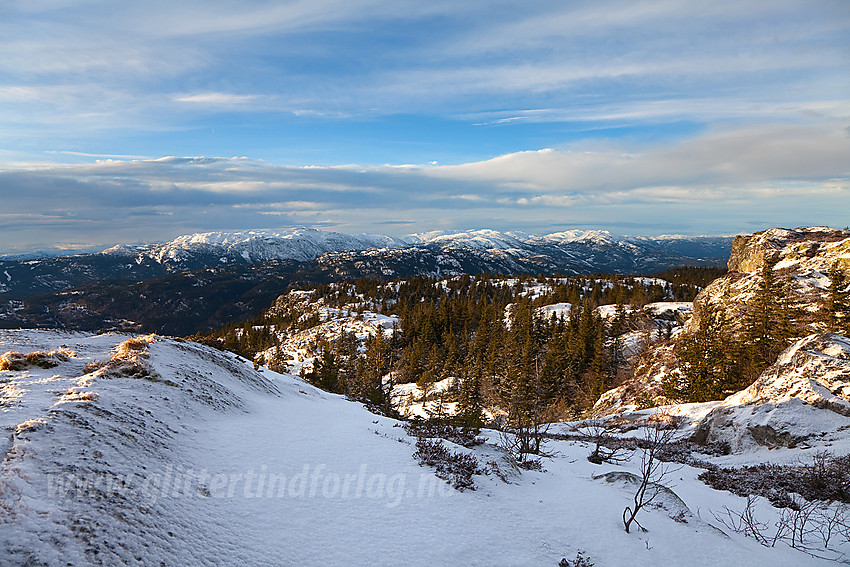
(454,467)
(492,467)
(524,441)
(807,526)
(652,473)
(579,561)
(826,478)
(606,448)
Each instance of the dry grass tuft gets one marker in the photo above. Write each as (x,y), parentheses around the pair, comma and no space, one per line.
(16,361)
(92,366)
(13,360)
(29,425)
(129,360)
(137,344)
(73,396)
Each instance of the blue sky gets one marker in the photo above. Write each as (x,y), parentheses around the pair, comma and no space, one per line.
(131,122)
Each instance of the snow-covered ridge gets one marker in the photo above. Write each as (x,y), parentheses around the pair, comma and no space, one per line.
(252,246)
(304,244)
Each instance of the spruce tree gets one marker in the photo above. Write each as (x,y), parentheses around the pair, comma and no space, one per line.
(835,308)
(767,324)
(709,367)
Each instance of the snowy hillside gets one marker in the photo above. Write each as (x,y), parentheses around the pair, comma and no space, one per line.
(802,400)
(167,452)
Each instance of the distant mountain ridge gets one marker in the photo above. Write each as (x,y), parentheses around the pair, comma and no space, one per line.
(570,252)
(305,244)
(202,281)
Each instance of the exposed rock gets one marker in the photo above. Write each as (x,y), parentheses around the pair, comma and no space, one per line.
(749,252)
(805,257)
(784,407)
(815,369)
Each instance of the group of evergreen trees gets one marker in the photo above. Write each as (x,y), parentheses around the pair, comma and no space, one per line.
(726,354)
(483,331)
(835,309)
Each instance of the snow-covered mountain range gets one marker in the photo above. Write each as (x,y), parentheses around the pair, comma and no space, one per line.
(199,281)
(251,247)
(470,251)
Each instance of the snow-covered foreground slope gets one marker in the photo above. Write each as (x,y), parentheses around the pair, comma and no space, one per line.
(176,454)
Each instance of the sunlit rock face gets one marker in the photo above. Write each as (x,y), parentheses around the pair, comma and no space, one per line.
(805,257)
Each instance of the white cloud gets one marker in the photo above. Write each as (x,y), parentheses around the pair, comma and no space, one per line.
(216,98)
(744,156)
(717,182)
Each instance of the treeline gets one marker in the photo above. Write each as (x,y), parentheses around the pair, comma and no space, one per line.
(686,278)
(485,331)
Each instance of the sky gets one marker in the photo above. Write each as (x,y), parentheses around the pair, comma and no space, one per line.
(130,122)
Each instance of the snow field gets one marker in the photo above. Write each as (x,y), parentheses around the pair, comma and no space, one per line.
(198,448)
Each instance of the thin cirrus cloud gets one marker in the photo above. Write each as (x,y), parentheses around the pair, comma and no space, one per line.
(215,98)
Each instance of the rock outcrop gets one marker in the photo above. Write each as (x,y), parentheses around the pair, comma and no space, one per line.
(784,407)
(805,257)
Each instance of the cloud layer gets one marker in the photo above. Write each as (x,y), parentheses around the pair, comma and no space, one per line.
(721,182)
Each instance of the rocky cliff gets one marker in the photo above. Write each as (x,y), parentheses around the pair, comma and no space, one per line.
(805,256)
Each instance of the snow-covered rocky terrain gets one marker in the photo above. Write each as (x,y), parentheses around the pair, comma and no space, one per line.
(805,256)
(156,451)
(803,399)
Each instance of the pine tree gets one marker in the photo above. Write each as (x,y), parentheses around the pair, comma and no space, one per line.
(767,324)
(707,360)
(835,308)
(470,402)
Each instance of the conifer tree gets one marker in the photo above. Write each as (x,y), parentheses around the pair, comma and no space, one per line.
(707,362)
(470,402)
(767,324)
(835,309)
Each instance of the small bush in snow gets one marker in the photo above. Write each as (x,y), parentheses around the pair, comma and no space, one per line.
(607,448)
(827,478)
(455,468)
(531,465)
(464,436)
(579,561)
(808,526)
(653,472)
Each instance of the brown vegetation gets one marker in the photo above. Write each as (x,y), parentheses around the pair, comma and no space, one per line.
(16,361)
